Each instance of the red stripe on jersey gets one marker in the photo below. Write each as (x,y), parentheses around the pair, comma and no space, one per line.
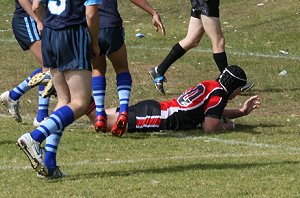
(147,122)
(213,102)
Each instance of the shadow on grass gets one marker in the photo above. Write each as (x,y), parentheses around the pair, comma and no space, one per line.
(241,128)
(9,142)
(174,169)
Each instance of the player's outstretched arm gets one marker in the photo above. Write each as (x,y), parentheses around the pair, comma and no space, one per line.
(250,104)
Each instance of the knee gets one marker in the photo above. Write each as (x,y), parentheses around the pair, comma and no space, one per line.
(62,101)
(80,106)
(189,43)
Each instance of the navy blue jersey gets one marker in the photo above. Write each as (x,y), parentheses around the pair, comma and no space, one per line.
(109,14)
(19,11)
(65,13)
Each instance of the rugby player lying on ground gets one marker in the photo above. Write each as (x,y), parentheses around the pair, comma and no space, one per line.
(203,104)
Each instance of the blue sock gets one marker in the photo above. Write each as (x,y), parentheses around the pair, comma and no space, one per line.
(124,88)
(58,120)
(51,146)
(99,88)
(23,87)
(43,105)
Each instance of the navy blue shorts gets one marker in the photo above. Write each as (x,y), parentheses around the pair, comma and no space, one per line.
(110,39)
(67,48)
(25,31)
(208,8)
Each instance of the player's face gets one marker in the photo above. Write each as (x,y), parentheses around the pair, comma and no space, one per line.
(235,93)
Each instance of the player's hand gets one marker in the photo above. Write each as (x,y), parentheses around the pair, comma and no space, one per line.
(251,104)
(157,23)
(40,27)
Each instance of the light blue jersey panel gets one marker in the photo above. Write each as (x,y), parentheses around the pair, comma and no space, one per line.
(92,2)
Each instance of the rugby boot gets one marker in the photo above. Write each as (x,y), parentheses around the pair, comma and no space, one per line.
(158,80)
(33,151)
(121,124)
(100,123)
(49,90)
(11,105)
(41,78)
(54,173)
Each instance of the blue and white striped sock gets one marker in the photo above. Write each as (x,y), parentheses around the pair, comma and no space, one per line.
(124,89)
(51,147)
(23,87)
(43,105)
(99,89)
(58,120)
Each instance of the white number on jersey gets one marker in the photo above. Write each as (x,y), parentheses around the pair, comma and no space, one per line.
(57,7)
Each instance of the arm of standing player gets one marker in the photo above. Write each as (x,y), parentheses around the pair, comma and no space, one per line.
(27,6)
(157,23)
(39,10)
(92,19)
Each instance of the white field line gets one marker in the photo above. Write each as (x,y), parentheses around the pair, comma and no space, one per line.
(251,144)
(132,161)
(294,150)
(242,53)
(205,138)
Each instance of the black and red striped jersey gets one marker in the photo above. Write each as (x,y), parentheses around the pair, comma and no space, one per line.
(207,98)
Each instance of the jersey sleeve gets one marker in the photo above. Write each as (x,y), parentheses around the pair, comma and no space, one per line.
(215,107)
(92,2)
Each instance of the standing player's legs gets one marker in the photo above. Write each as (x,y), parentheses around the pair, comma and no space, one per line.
(11,98)
(26,34)
(111,42)
(124,82)
(99,90)
(213,30)
(73,86)
(192,39)
(80,93)
(77,96)
(43,103)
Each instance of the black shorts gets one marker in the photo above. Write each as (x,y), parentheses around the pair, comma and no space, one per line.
(110,39)
(25,31)
(144,116)
(208,8)
(66,49)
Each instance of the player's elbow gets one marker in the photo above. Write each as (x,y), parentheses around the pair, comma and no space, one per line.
(209,128)
(211,125)
(91,12)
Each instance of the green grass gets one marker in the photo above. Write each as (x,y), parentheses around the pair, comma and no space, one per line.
(259,159)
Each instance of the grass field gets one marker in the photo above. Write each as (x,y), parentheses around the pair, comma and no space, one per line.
(261,158)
